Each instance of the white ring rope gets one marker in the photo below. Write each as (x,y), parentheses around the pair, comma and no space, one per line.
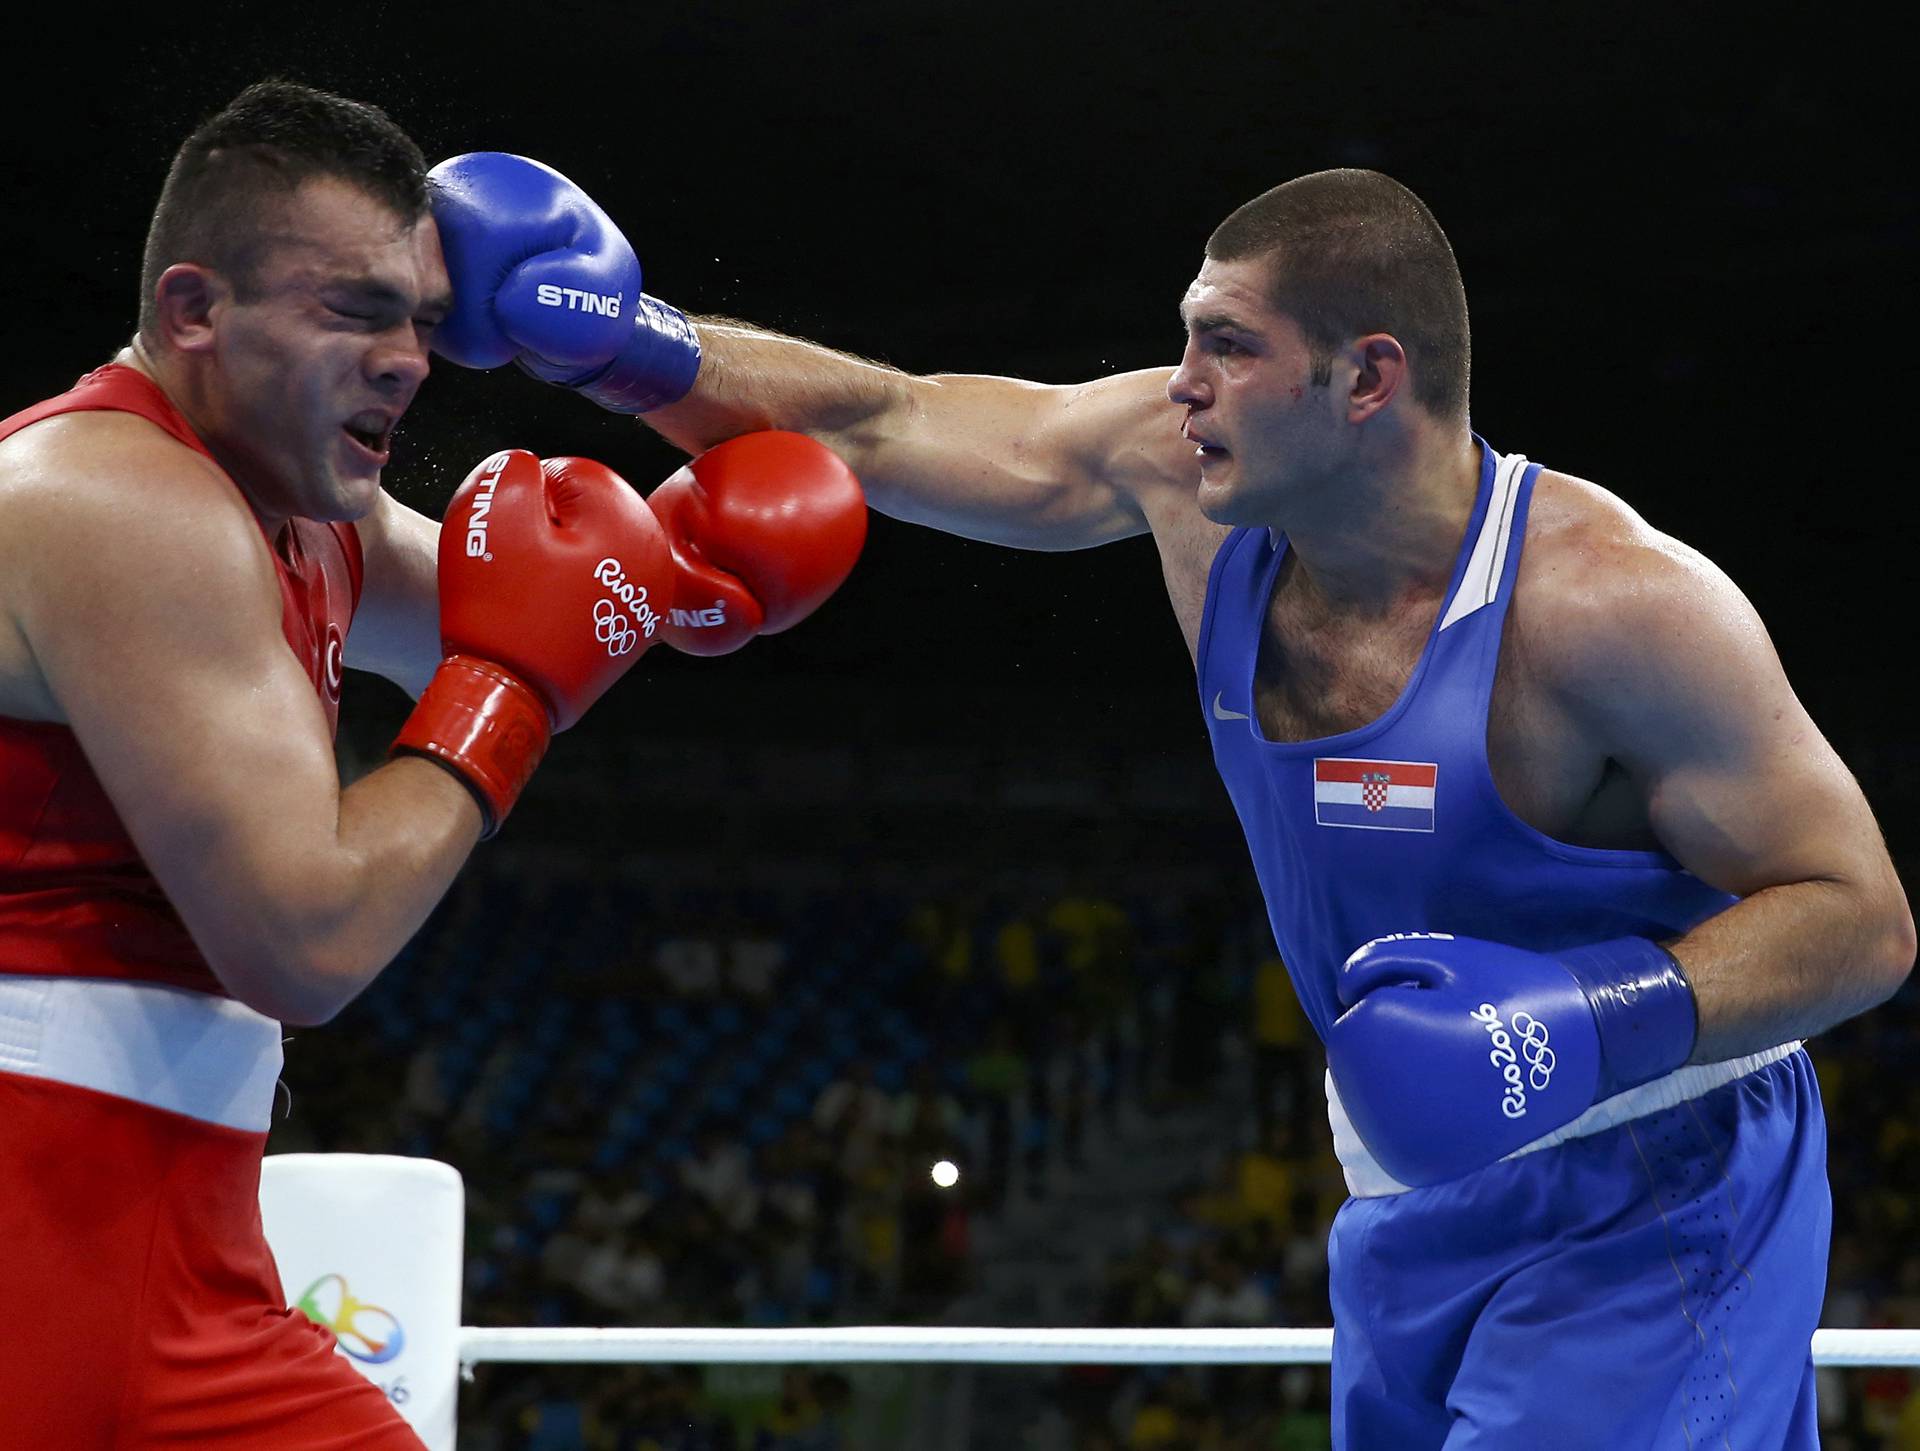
(991,1345)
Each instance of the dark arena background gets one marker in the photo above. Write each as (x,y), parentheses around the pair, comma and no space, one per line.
(945,873)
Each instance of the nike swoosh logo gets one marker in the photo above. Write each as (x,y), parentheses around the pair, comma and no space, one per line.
(1220,712)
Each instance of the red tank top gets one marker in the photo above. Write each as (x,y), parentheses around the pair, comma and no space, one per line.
(75,898)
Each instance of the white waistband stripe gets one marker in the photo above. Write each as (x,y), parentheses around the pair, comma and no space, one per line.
(190,1053)
(1367,1180)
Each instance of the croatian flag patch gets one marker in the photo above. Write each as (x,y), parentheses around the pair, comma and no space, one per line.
(1374,795)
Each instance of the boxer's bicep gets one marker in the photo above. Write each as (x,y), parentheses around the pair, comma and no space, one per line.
(1034,466)
(158,634)
(396,626)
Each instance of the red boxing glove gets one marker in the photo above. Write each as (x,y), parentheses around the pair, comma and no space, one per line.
(763,528)
(552,577)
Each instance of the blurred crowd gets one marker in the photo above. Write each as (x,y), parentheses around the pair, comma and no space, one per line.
(736,1122)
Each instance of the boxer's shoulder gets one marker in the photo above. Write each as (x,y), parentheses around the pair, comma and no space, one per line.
(1605,605)
(1144,459)
(1131,429)
(102,452)
(107,499)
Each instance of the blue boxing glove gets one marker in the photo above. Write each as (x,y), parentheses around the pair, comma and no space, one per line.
(543,278)
(1453,1051)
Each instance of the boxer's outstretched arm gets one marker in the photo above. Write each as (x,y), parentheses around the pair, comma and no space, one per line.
(1668,666)
(155,629)
(1026,464)
(990,458)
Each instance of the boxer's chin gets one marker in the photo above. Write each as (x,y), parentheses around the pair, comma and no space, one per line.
(353,478)
(342,494)
(357,498)
(1217,498)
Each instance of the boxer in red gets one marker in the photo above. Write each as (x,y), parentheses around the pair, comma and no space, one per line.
(185,538)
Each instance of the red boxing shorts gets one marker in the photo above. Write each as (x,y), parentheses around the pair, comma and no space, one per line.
(139,1303)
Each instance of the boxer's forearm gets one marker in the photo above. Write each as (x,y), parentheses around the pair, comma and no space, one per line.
(318,925)
(752,379)
(1793,960)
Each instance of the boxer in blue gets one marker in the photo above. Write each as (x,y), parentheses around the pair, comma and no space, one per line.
(1562,869)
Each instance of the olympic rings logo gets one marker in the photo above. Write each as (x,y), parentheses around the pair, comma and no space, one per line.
(1533,1047)
(611,629)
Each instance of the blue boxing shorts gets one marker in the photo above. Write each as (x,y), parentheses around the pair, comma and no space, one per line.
(1654,1285)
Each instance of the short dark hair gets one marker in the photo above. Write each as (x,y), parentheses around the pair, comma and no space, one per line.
(270,138)
(1353,252)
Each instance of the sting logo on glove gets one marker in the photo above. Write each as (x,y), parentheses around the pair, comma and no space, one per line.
(707,619)
(483,488)
(577,300)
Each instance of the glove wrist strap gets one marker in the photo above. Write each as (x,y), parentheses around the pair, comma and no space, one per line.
(656,367)
(485,726)
(1643,1007)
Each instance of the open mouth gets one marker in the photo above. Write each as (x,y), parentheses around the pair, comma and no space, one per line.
(1201,446)
(373,432)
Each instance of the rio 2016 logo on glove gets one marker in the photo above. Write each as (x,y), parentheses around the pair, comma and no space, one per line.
(608,627)
(1532,1048)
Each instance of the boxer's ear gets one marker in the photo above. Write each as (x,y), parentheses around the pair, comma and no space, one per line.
(1378,366)
(184,302)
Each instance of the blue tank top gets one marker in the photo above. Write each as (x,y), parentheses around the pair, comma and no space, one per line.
(1397,826)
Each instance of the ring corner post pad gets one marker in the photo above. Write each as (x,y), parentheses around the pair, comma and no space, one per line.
(372,1246)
